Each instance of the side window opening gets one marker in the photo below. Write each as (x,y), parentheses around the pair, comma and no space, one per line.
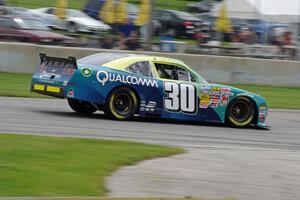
(142,68)
(50,11)
(173,73)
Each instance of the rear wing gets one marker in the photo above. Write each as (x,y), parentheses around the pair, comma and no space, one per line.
(52,75)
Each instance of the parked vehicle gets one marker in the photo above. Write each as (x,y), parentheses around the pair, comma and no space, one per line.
(25,29)
(177,23)
(51,22)
(202,6)
(93,7)
(76,20)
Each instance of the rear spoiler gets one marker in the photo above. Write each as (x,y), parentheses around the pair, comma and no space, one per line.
(58,62)
(52,75)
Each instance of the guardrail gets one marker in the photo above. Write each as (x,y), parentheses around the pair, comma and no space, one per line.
(23,58)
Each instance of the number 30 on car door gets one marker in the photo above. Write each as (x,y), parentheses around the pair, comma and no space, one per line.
(180,97)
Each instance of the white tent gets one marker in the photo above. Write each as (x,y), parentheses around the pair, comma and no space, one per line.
(284,11)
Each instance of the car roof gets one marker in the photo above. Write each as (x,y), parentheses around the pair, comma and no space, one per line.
(123,60)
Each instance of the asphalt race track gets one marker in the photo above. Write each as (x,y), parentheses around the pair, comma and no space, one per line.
(54,117)
(220,161)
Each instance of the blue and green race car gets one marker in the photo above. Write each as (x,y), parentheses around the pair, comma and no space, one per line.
(123,85)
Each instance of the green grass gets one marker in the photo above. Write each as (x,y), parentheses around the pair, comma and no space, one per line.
(32,4)
(18,85)
(277,97)
(79,4)
(50,166)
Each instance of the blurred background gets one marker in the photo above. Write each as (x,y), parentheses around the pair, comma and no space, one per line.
(246,28)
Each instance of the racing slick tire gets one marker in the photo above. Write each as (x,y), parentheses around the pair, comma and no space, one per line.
(240,112)
(81,107)
(121,104)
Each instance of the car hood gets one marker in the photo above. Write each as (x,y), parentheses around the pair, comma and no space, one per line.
(87,21)
(45,34)
(240,92)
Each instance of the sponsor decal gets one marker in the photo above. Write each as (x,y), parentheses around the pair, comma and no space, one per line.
(215,89)
(65,83)
(86,72)
(224,100)
(46,75)
(226,91)
(262,113)
(68,71)
(70,93)
(214,96)
(43,67)
(216,93)
(150,107)
(213,105)
(103,77)
(204,100)
(205,88)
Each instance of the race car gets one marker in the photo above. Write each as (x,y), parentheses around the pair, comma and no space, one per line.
(123,85)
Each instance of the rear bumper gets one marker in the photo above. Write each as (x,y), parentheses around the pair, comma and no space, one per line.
(49,90)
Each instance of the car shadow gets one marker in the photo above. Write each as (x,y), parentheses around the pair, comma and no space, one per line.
(137,119)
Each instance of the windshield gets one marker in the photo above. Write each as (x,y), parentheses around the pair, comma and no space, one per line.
(102,58)
(76,13)
(27,23)
(185,15)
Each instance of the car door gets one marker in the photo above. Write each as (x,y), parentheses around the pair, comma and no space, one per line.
(8,28)
(180,89)
(4,32)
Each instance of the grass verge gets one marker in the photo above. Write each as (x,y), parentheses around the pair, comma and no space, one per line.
(50,166)
(277,97)
(80,4)
(17,85)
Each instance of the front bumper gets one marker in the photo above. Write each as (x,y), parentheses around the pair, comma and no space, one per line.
(262,116)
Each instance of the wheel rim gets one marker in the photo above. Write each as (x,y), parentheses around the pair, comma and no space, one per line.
(122,104)
(241,111)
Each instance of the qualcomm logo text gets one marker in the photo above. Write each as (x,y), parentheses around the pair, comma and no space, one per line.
(103,77)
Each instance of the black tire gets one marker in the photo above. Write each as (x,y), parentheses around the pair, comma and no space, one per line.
(81,107)
(72,27)
(121,104)
(240,112)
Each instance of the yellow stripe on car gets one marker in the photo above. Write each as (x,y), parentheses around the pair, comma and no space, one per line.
(39,87)
(53,89)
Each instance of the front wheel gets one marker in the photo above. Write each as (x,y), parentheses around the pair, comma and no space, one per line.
(121,104)
(72,27)
(240,112)
(81,107)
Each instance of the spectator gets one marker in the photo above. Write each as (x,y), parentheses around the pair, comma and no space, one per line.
(132,43)
(287,37)
(127,28)
(107,43)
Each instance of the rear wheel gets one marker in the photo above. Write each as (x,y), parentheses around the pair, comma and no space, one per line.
(82,107)
(240,112)
(121,104)
(72,27)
